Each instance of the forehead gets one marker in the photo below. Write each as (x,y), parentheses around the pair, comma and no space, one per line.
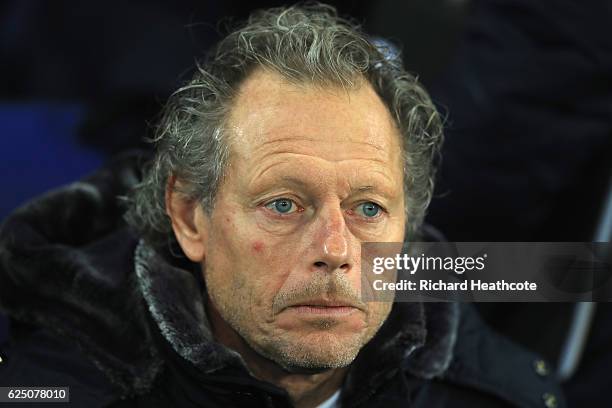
(332,123)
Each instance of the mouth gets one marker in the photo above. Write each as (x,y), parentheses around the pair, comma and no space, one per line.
(324,307)
(323,310)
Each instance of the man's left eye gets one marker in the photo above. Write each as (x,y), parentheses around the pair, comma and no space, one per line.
(282,206)
(369,209)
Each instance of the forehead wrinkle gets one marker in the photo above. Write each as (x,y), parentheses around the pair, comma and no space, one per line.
(298,139)
(259,174)
(386,190)
(382,155)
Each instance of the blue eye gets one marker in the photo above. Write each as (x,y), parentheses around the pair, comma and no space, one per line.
(370,209)
(282,206)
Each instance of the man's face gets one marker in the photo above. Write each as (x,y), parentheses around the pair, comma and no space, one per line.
(313,173)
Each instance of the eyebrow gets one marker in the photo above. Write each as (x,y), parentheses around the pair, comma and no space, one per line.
(294,180)
(382,191)
(367,188)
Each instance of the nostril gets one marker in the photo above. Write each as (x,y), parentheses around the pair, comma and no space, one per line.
(321,264)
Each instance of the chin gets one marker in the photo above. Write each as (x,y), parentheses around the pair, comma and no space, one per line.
(319,351)
(313,364)
(295,369)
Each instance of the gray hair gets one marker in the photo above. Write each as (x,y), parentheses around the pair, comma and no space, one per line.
(304,44)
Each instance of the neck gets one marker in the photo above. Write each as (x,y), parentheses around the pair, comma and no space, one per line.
(305,390)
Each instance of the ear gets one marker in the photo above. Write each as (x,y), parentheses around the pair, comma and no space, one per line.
(189,222)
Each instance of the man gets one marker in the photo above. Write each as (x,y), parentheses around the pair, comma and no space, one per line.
(238,283)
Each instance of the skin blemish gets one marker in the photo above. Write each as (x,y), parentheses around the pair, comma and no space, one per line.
(258,246)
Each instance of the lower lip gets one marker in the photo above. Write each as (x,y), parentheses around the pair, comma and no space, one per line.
(324,310)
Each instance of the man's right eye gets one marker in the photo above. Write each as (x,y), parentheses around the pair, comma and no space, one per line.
(282,206)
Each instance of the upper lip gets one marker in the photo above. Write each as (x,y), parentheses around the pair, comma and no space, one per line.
(326,303)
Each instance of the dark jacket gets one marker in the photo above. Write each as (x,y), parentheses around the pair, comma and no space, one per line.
(94,308)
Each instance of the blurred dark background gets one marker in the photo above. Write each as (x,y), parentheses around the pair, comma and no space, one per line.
(525,86)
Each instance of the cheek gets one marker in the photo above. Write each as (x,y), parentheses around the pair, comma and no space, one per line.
(224,265)
(248,262)
(268,266)
(377,314)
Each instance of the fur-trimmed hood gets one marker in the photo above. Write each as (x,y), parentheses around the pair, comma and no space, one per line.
(68,263)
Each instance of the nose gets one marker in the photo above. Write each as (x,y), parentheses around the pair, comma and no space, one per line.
(332,242)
